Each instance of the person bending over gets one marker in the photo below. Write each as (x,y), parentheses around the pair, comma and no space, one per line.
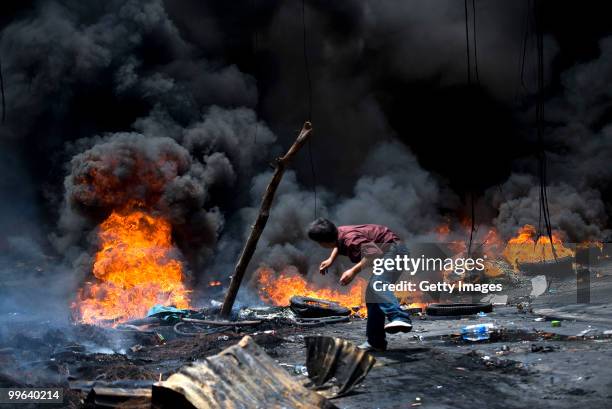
(363,243)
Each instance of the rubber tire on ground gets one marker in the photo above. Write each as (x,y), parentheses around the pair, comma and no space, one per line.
(309,307)
(458,309)
(562,266)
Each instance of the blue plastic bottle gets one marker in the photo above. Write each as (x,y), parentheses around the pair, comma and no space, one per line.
(477,332)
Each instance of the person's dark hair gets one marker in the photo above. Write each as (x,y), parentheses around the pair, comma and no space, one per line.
(323,231)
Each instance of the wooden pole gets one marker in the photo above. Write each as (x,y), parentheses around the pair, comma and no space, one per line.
(262,219)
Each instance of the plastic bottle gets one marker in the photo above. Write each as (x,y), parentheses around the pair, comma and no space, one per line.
(300,370)
(478,332)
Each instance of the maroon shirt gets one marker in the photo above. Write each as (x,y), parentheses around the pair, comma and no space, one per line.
(364,240)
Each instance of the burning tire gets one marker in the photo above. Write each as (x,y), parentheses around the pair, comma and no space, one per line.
(309,307)
(458,309)
(562,266)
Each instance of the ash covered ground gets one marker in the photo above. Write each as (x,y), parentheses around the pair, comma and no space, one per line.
(526,363)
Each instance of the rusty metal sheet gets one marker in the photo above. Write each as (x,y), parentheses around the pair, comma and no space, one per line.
(107,397)
(241,376)
(336,364)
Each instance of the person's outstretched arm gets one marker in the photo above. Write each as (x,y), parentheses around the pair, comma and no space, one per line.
(350,274)
(329,261)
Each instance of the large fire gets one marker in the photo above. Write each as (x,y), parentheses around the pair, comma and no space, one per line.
(524,247)
(136,267)
(277,289)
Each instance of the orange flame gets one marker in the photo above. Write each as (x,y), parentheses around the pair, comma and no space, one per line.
(488,244)
(137,269)
(277,289)
(442,230)
(524,247)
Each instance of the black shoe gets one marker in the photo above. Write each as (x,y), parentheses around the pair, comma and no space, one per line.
(398,326)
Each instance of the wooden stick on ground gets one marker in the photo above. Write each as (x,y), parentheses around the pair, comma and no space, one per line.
(262,219)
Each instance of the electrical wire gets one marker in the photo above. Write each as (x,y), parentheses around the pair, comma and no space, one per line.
(544,208)
(255,67)
(309,85)
(525,40)
(2,92)
(476,75)
(469,81)
(467,43)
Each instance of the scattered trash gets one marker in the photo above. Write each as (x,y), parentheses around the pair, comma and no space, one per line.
(337,363)
(222,323)
(136,348)
(524,307)
(543,348)
(308,307)
(168,314)
(293,338)
(223,338)
(454,309)
(608,332)
(266,313)
(586,331)
(209,383)
(555,323)
(296,369)
(538,286)
(411,310)
(482,314)
(116,394)
(315,322)
(505,348)
(267,332)
(191,329)
(478,332)
(496,299)
(539,319)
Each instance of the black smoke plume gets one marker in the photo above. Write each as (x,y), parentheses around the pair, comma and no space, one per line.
(181,105)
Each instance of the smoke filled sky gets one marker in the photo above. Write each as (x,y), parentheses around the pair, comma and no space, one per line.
(182,104)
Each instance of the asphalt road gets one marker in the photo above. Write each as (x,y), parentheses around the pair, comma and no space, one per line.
(528,364)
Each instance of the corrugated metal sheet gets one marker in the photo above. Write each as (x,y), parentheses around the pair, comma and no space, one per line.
(336,363)
(241,376)
(105,398)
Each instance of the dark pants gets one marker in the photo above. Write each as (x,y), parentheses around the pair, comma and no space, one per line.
(383,304)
